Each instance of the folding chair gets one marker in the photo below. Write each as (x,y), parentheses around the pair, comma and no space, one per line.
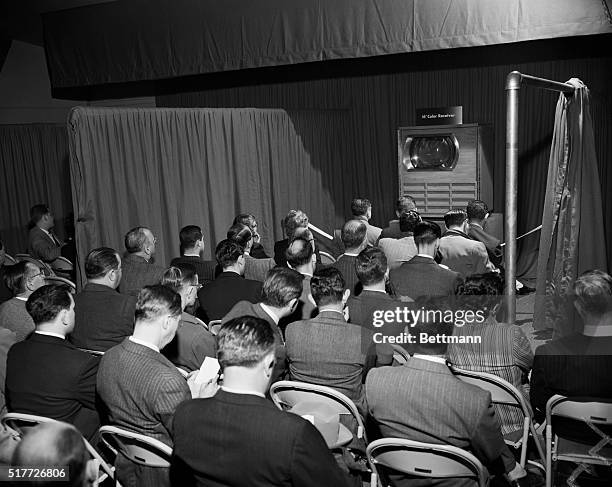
(400,354)
(140,449)
(19,421)
(62,264)
(43,266)
(8,260)
(93,352)
(423,460)
(326,258)
(214,326)
(61,280)
(584,412)
(286,394)
(502,392)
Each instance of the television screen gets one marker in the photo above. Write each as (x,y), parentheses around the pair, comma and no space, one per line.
(434,152)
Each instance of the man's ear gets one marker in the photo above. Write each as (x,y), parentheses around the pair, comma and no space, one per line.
(268,364)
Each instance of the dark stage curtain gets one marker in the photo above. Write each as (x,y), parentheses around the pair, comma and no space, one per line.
(572,239)
(167,168)
(34,162)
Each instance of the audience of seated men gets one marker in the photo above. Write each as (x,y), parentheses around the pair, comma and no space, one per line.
(45,374)
(459,252)
(477,212)
(5,292)
(354,238)
(279,298)
(579,364)
(7,339)
(139,270)
(301,257)
(402,205)
(294,219)
(192,342)
(504,349)
(261,445)
(401,249)
(53,446)
(229,287)
(257,250)
(327,350)
(22,279)
(192,246)
(255,269)
(361,209)
(421,275)
(104,317)
(423,401)
(43,244)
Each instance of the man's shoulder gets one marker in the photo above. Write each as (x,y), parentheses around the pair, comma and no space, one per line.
(566,345)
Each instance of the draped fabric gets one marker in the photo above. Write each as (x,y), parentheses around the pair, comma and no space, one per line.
(572,239)
(167,168)
(34,162)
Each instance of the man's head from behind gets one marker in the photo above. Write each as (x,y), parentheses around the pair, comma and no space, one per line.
(426,236)
(281,289)
(361,207)
(245,351)
(192,240)
(477,211)
(329,289)
(408,220)
(593,291)
(158,312)
(354,235)
(300,255)
(140,241)
(456,219)
(405,203)
(230,256)
(294,219)
(482,292)
(23,278)
(103,266)
(52,445)
(41,216)
(371,266)
(242,235)
(52,309)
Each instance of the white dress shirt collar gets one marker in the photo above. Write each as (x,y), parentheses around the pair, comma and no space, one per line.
(270,313)
(144,344)
(431,358)
(50,333)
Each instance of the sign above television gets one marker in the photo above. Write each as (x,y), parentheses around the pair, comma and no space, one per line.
(439,116)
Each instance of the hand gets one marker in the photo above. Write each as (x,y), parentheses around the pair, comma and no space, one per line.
(202,389)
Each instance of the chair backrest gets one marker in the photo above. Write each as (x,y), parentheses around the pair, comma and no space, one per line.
(214,326)
(424,460)
(43,266)
(62,264)
(400,354)
(286,394)
(326,258)
(61,280)
(598,413)
(140,449)
(8,260)
(93,352)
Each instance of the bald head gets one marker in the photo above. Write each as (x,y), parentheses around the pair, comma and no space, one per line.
(354,235)
(300,254)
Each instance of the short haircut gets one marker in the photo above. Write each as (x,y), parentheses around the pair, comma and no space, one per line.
(454,217)
(244,342)
(101,261)
(408,220)
(188,236)
(426,232)
(281,286)
(353,233)
(52,444)
(37,212)
(481,291)
(155,301)
(327,286)
(593,291)
(47,302)
(405,203)
(371,266)
(477,210)
(239,233)
(303,232)
(299,252)
(245,219)
(136,239)
(228,252)
(433,324)
(15,276)
(359,206)
(179,276)
(294,219)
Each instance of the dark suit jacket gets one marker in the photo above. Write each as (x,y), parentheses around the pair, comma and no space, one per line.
(575,365)
(218,443)
(41,246)
(464,255)
(50,377)
(393,231)
(138,273)
(305,309)
(280,247)
(423,401)
(7,339)
(492,244)
(258,251)
(421,276)
(217,298)
(103,317)
(346,265)
(205,269)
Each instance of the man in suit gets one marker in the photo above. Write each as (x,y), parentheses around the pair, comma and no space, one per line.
(22,279)
(43,244)
(442,409)
(477,213)
(261,445)
(192,246)
(255,269)
(257,250)
(361,208)
(48,376)
(7,339)
(421,275)
(459,252)
(230,287)
(294,219)
(579,364)
(103,316)
(301,257)
(354,238)
(140,388)
(138,267)
(401,248)
(402,205)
